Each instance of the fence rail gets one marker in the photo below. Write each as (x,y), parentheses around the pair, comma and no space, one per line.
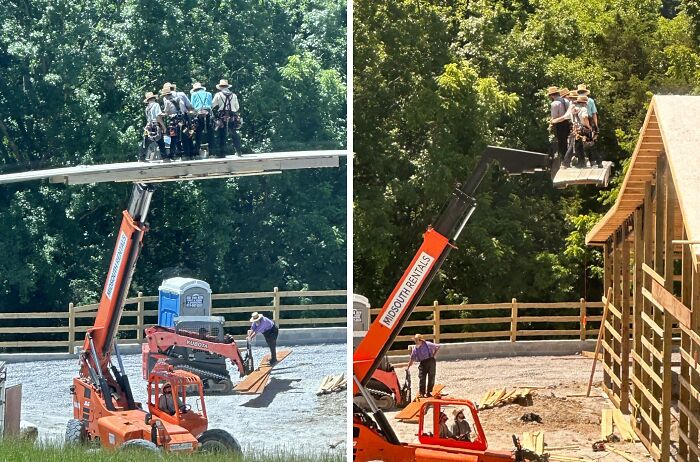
(500,321)
(66,330)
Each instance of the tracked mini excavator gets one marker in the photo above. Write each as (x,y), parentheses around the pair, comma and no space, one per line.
(373,436)
(104,409)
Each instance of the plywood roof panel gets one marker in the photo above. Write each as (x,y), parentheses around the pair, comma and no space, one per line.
(672,126)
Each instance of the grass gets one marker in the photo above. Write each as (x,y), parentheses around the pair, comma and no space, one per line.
(23,451)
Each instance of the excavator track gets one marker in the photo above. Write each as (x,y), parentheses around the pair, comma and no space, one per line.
(384,401)
(214,384)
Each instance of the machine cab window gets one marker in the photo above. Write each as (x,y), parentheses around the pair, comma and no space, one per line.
(453,424)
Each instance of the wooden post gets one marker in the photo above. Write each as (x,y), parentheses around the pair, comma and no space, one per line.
(582,336)
(668,318)
(436,322)
(600,337)
(513,320)
(71,328)
(625,332)
(276,306)
(139,317)
(637,308)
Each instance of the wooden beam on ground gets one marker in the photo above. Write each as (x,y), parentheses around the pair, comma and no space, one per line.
(159,171)
(256,382)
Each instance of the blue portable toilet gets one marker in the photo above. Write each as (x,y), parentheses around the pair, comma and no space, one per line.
(182,297)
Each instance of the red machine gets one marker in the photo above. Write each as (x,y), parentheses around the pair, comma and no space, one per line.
(385,389)
(198,349)
(373,436)
(104,409)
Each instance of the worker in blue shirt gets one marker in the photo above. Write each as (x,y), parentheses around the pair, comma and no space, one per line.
(201,102)
(424,353)
(267,327)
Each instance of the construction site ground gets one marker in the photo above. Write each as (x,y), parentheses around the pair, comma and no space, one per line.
(568,419)
(287,416)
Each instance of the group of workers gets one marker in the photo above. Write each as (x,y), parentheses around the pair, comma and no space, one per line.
(190,122)
(460,430)
(574,120)
(259,324)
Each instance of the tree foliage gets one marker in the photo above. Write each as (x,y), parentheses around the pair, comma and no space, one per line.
(72,80)
(434,82)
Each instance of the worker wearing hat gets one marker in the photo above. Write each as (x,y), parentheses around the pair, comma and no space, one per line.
(178,122)
(166,401)
(444,429)
(154,128)
(201,102)
(228,120)
(460,428)
(424,353)
(562,127)
(267,327)
(582,90)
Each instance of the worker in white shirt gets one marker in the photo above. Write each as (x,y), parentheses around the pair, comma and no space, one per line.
(228,120)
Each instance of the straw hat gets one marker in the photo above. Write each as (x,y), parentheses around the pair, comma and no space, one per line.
(149,96)
(166,90)
(418,337)
(564,92)
(582,99)
(255,317)
(197,86)
(223,83)
(572,95)
(582,89)
(552,91)
(455,412)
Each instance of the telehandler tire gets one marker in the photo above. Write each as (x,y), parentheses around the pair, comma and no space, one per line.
(75,432)
(217,440)
(139,445)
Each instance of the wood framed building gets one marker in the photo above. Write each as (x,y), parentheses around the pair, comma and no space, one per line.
(651,244)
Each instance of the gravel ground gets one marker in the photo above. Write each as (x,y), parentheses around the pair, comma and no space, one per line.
(287,415)
(566,419)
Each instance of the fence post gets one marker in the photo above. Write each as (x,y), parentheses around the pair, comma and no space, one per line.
(583,319)
(276,306)
(436,322)
(139,317)
(71,328)
(513,320)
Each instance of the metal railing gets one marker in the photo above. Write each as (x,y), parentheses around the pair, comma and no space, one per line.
(65,330)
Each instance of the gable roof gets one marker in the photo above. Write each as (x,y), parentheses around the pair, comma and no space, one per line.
(671,126)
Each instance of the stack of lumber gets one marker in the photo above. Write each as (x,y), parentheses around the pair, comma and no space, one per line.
(256,382)
(622,424)
(533,441)
(501,397)
(409,414)
(332,384)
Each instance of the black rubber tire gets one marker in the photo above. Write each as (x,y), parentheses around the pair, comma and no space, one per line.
(139,445)
(75,432)
(216,440)
(226,387)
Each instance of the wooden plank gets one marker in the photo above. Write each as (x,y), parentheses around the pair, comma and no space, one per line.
(606,423)
(257,380)
(670,303)
(623,454)
(623,426)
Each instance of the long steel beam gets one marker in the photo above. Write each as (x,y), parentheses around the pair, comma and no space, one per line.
(159,171)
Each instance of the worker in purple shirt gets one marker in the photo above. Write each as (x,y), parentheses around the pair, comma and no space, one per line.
(424,352)
(267,327)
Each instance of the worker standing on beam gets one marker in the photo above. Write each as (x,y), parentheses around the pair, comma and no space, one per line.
(155,127)
(424,353)
(562,128)
(188,126)
(201,102)
(267,327)
(582,90)
(228,120)
(177,121)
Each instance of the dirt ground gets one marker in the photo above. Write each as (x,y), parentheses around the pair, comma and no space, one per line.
(567,419)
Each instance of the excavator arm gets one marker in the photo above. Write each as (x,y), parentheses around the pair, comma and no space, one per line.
(438,240)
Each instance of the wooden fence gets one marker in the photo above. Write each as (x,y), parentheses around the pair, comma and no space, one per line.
(500,321)
(63,331)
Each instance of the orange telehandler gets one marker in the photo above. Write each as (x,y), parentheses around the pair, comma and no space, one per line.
(373,436)
(104,409)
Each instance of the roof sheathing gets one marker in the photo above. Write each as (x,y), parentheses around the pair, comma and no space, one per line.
(672,125)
